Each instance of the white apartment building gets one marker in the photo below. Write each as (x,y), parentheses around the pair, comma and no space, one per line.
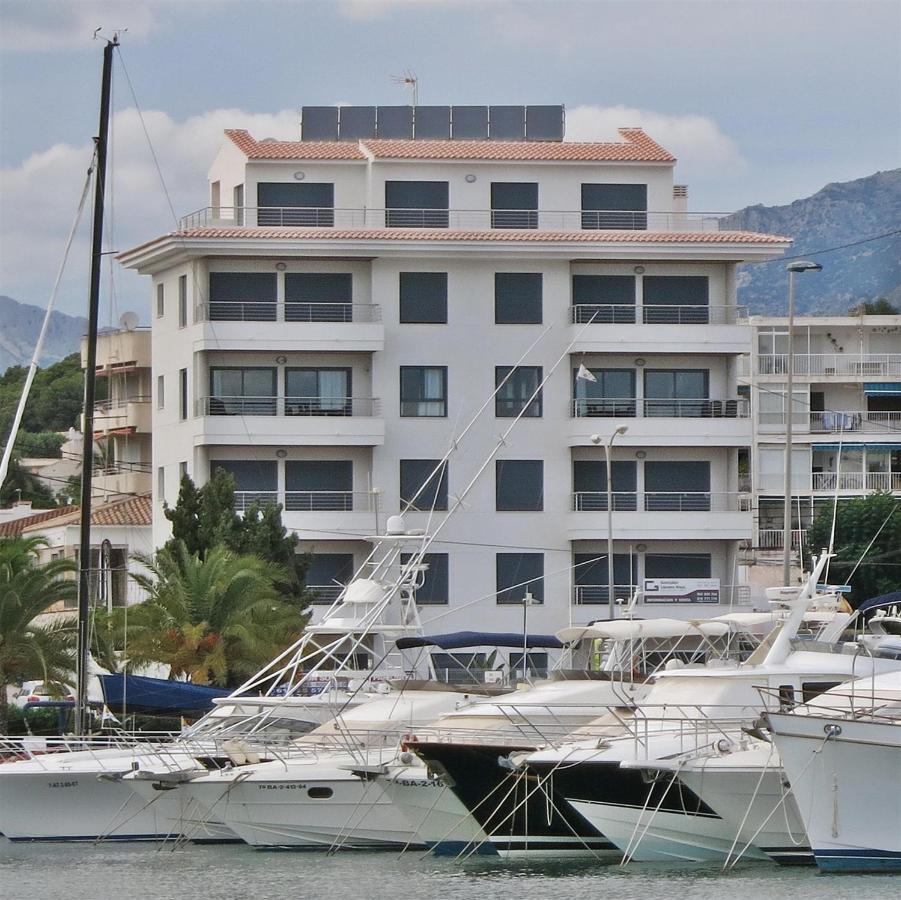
(846,427)
(328,325)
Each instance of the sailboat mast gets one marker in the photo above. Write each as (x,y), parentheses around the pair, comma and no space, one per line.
(87,458)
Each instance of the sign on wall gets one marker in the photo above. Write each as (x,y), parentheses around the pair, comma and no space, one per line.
(681,590)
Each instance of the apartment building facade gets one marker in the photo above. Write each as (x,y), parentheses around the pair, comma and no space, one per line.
(328,326)
(846,411)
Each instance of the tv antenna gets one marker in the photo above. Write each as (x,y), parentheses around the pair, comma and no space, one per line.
(409,80)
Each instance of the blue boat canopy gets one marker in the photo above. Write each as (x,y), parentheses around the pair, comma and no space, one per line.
(157,696)
(891,599)
(458,639)
(882,388)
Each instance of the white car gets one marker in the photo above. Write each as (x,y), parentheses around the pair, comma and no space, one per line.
(38,691)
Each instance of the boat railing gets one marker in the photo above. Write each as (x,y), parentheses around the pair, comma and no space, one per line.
(40,747)
(859,700)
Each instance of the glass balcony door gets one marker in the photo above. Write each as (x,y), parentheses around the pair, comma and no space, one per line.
(238,391)
(318,392)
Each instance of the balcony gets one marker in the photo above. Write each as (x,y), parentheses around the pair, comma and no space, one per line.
(631,314)
(128,414)
(829,365)
(122,478)
(455,219)
(292,420)
(856,482)
(317,515)
(830,422)
(671,501)
(631,407)
(774,538)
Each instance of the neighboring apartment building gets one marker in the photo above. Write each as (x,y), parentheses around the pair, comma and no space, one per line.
(846,437)
(344,306)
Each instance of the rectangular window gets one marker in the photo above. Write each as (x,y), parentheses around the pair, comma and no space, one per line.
(615,206)
(590,485)
(242,392)
(677,565)
(612,393)
(590,576)
(423,298)
(416,204)
(243,296)
(679,393)
(183,394)
(536,662)
(434,590)
(160,391)
(238,203)
(160,484)
(182,470)
(676,299)
(256,480)
(423,391)
(517,391)
(518,573)
(319,485)
(519,485)
(420,486)
(319,297)
(304,205)
(604,299)
(677,486)
(182,301)
(514,204)
(517,298)
(160,301)
(319,392)
(327,574)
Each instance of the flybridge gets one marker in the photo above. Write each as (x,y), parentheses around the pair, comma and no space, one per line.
(432,123)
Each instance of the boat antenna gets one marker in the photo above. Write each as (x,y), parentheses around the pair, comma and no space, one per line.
(90,381)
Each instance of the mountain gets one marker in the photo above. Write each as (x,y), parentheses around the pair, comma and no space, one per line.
(840,213)
(20,324)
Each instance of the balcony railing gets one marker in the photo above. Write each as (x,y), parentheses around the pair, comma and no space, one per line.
(774,538)
(594,594)
(660,314)
(657,501)
(116,404)
(856,481)
(308,501)
(857,365)
(630,407)
(288,406)
(463,219)
(289,311)
(835,422)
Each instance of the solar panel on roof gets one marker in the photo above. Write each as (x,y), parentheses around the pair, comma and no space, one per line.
(356,123)
(469,123)
(431,123)
(506,123)
(544,123)
(319,123)
(394,122)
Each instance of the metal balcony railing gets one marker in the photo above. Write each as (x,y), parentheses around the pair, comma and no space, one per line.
(462,219)
(657,501)
(774,538)
(830,421)
(654,408)
(855,365)
(289,406)
(308,501)
(289,311)
(116,404)
(596,501)
(657,314)
(856,481)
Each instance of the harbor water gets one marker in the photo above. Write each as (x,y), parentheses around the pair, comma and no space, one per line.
(161,872)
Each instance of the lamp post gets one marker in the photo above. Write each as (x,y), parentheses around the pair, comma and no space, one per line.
(527,601)
(608,449)
(800,265)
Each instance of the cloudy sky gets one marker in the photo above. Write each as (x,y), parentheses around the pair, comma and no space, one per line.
(763,102)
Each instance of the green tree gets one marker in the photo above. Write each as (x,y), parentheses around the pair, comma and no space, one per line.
(22,485)
(27,589)
(859,521)
(880,307)
(215,620)
(56,399)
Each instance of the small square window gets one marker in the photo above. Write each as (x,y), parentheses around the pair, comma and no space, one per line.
(421,486)
(519,485)
(434,589)
(523,386)
(423,391)
(517,298)
(423,297)
(518,573)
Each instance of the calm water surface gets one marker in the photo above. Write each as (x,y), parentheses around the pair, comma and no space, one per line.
(139,872)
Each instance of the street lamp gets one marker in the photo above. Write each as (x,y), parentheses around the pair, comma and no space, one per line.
(799,265)
(608,446)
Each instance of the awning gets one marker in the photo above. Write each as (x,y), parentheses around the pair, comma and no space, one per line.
(890,599)
(640,629)
(875,445)
(458,639)
(157,695)
(882,388)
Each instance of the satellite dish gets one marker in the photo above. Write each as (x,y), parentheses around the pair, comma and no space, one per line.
(128,321)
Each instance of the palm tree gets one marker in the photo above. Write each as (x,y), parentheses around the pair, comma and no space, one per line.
(27,589)
(215,621)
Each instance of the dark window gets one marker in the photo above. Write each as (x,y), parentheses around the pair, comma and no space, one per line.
(812,689)
(590,576)
(326,575)
(616,206)
(676,299)
(319,392)
(423,391)
(677,486)
(514,204)
(434,590)
(319,484)
(160,300)
(677,565)
(517,298)
(416,204)
(255,480)
(182,301)
(517,390)
(612,393)
(679,392)
(242,296)
(537,663)
(289,203)
(421,486)
(318,297)
(242,392)
(519,485)
(604,298)
(423,297)
(182,394)
(518,573)
(590,484)
(460,668)
(319,793)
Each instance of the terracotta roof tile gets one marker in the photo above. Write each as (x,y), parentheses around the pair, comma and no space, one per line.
(17,526)
(128,511)
(325,150)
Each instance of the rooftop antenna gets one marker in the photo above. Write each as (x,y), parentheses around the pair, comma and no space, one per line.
(409,80)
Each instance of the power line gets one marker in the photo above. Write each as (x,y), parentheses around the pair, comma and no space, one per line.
(869,240)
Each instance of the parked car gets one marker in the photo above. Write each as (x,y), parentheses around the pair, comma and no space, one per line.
(38,691)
